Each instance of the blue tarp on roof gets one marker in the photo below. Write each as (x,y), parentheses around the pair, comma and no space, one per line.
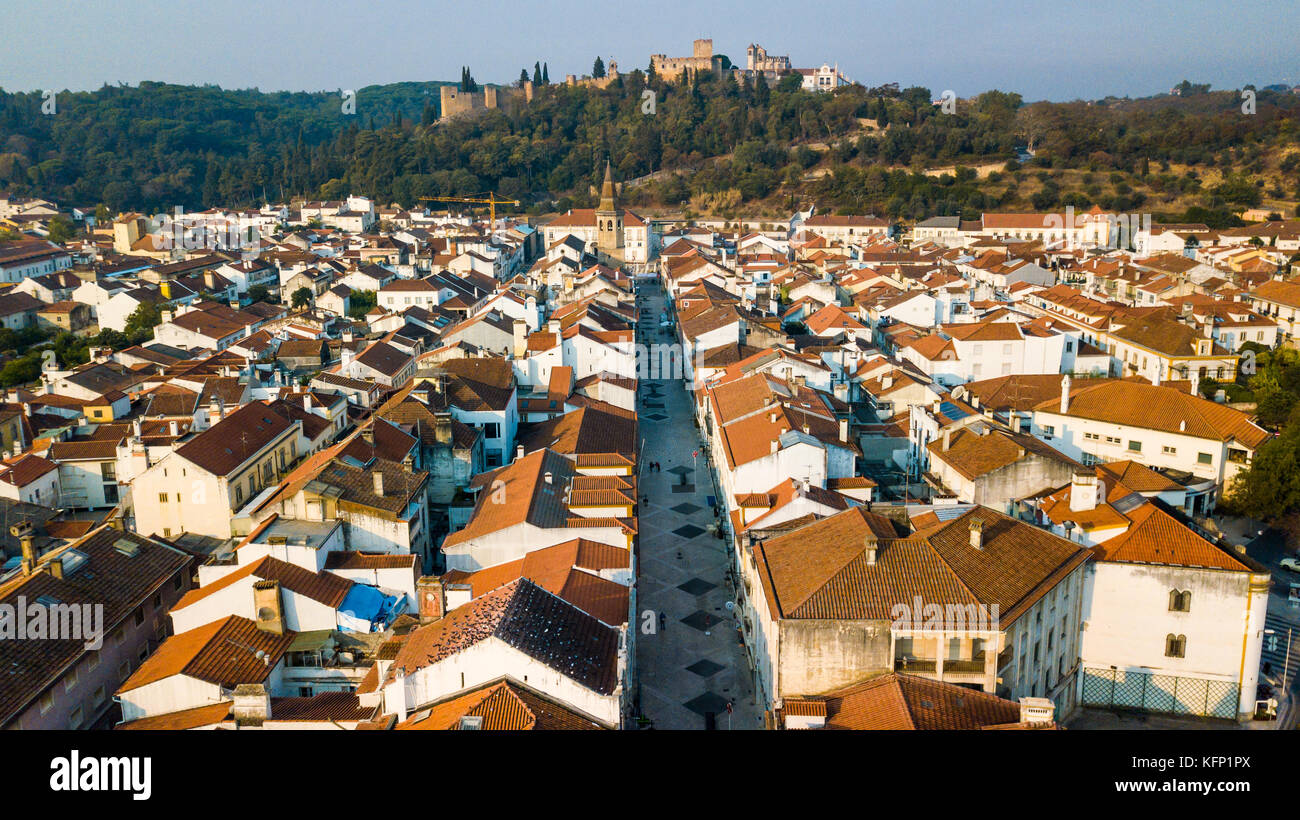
(365,609)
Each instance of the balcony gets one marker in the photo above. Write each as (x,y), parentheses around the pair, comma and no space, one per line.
(915,666)
(975,666)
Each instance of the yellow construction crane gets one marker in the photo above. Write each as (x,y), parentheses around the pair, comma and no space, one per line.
(492,202)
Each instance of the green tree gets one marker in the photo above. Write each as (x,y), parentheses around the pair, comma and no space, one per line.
(598,68)
(141,322)
(61,229)
(1269,489)
(301,298)
(361,302)
(20,371)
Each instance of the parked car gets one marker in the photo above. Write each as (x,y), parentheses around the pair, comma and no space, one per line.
(1292,564)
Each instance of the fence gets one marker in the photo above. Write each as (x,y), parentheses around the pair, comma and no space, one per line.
(1150,692)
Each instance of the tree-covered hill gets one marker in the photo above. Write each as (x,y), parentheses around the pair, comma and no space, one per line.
(713,144)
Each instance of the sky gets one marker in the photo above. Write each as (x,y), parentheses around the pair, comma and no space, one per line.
(1046,49)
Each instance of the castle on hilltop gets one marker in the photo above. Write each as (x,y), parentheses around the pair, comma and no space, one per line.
(772,67)
(454,102)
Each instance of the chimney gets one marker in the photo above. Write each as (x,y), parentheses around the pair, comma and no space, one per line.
(135,428)
(519,451)
(1036,711)
(377,476)
(887,381)
(306,402)
(947,439)
(844,430)
(520,328)
(977,533)
(1065,393)
(776,445)
(432,598)
(442,427)
(268,606)
(549,477)
(553,326)
(56,568)
(24,532)
(173,429)
(1017,423)
(1085,492)
(251,704)
(871,545)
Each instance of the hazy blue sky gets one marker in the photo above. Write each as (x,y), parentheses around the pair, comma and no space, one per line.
(1045,49)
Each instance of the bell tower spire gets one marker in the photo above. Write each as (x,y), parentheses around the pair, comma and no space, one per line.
(609,216)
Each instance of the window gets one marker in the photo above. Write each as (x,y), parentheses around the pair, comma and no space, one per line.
(162,498)
(1204,458)
(1069,347)
(138,616)
(1048,431)
(75,717)
(108,469)
(1135,446)
(98,697)
(492,429)
(47,702)
(1175,646)
(1091,436)
(1180,600)
(1169,451)
(1006,349)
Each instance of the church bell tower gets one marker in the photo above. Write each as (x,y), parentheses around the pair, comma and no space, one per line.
(609,218)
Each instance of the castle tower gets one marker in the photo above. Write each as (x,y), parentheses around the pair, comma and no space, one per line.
(609,217)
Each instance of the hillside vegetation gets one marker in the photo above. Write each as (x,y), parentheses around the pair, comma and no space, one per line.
(740,149)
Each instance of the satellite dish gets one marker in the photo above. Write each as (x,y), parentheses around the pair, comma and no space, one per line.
(730,605)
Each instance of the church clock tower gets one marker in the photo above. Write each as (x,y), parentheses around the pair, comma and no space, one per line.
(609,218)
